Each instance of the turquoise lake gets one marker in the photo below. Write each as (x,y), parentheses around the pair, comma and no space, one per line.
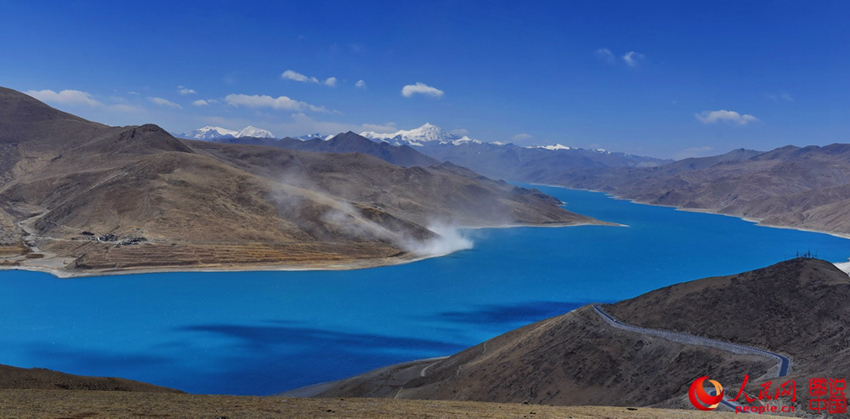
(261,333)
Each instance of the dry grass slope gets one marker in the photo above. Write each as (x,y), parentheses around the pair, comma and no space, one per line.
(80,197)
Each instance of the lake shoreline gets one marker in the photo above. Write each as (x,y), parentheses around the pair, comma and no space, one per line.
(755,221)
(54,265)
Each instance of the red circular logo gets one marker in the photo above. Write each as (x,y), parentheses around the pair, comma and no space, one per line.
(702,400)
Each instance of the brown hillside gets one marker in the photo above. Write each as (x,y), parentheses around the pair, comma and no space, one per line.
(80,197)
(42,379)
(798,308)
(790,186)
(572,359)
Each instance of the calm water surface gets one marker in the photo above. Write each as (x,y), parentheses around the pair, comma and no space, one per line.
(265,332)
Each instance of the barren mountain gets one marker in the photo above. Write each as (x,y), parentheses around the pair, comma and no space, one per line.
(42,379)
(349,142)
(791,186)
(78,197)
(534,164)
(798,308)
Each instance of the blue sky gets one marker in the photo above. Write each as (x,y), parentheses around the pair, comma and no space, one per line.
(659,78)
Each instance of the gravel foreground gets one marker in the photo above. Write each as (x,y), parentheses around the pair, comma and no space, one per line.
(56,404)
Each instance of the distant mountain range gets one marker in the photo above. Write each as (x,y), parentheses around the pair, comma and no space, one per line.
(418,137)
(217,133)
(802,187)
(805,187)
(348,142)
(538,163)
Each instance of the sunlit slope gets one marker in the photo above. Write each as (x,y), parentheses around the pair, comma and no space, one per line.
(77,196)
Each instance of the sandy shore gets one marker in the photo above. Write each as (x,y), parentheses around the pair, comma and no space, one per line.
(54,265)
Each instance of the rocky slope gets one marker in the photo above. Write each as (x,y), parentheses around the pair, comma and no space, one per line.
(798,308)
(80,197)
(797,187)
(42,379)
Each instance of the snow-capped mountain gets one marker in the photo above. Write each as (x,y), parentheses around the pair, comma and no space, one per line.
(208,133)
(307,137)
(255,132)
(215,133)
(552,147)
(419,137)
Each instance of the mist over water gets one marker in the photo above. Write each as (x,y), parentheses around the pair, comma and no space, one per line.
(449,239)
(265,332)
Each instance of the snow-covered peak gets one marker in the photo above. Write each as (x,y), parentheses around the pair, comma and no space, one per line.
(307,137)
(209,133)
(255,132)
(216,133)
(551,147)
(418,137)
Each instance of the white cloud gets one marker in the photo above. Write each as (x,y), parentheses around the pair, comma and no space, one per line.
(606,55)
(296,76)
(264,101)
(522,136)
(421,88)
(633,59)
(185,91)
(68,97)
(200,102)
(713,117)
(360,84)
(164,102)
(330,82)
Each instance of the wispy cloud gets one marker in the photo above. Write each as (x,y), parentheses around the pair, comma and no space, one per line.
(67,97)
(382,128)
(606,55)
(164,102)
(782,97)
(303,78)
(264,101)
(522,136)
(200,102)
(421,88)
(732,117)
(360,84)
(633,59)
(185,90)
(296,76)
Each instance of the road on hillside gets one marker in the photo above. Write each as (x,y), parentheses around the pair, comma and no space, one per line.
(784,363)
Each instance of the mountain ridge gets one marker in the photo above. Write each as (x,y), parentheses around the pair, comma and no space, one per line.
(216,133)
(577,358)
(81,198)
(797,187)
